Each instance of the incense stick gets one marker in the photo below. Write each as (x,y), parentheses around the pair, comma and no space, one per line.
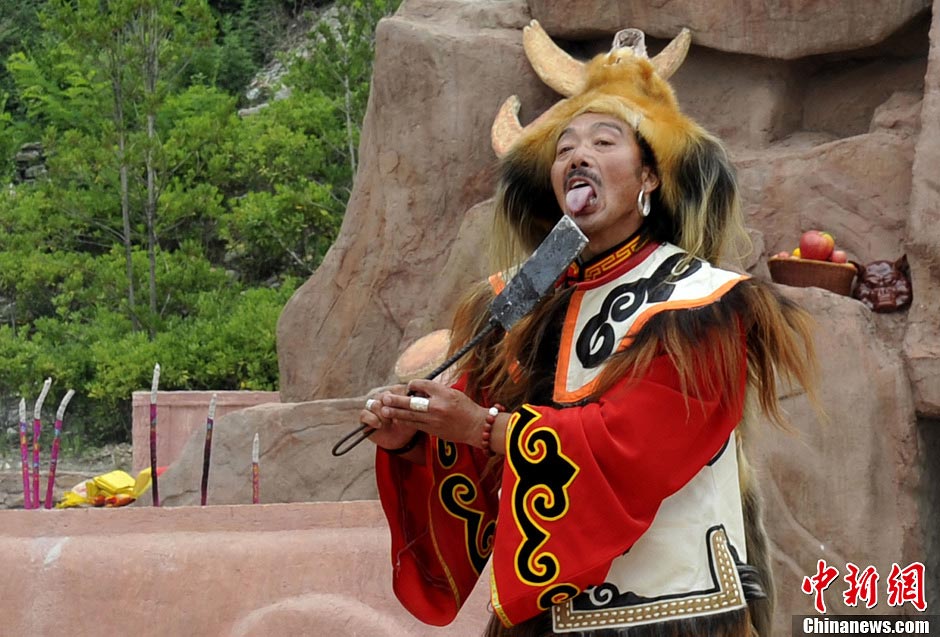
(54,458)
(208,450)
(24,454)
(37,429)
(153,434)
(256,470)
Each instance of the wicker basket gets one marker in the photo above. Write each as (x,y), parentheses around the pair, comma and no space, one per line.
(804,273)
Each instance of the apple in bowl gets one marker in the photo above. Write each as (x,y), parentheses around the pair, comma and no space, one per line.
(816,245)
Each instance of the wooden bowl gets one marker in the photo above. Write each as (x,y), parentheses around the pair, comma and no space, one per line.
(804,273)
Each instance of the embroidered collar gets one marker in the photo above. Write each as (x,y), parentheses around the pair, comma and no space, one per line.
(601,264)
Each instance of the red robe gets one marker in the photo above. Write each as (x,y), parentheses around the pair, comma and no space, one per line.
(579,486)
(580,498)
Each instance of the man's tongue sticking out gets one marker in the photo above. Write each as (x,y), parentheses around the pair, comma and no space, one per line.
(578,198)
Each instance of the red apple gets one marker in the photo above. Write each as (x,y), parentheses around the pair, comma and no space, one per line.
(838,256)
(816,245)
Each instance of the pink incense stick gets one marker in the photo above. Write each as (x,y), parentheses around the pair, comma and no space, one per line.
(54,458)
(24,454)
(37,428)
(208,450)
(153,434)
(255,470)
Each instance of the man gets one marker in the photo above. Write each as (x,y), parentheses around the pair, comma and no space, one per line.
(626,506)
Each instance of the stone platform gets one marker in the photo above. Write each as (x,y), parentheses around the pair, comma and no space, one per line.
(318,568)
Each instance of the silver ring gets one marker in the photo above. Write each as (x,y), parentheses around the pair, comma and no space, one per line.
(369,404)
(419,404)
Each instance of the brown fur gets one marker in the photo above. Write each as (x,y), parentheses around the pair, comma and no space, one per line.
(758,545)
(698,191)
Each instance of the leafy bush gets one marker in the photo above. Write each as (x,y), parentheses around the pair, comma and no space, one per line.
(169,229)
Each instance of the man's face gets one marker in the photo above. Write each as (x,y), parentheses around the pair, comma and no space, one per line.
(596,177)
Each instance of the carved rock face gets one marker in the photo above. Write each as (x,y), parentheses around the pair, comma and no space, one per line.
(884,286)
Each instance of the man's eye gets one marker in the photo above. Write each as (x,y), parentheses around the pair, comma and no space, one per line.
(604,142)
(563,149)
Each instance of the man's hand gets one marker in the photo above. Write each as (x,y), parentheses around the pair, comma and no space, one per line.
(451,415)
(388,434)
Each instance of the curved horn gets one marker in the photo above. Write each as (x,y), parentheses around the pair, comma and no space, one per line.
(668,61)
(506,127)
(556,68)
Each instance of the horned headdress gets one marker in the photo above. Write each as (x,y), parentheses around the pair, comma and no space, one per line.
(697,207)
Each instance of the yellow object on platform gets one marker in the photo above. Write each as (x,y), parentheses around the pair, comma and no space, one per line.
(115,488)
(110,483)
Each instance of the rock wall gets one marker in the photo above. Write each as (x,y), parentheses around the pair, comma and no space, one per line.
(787,29)
(922,344)
(831,111)
(441,71)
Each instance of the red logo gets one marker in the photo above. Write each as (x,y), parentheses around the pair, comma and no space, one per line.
(903,585)
(825,575)
(863,586)
(907,585)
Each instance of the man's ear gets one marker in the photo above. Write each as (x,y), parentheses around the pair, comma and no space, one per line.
(650,180)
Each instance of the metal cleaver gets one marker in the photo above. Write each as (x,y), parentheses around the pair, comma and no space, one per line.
(520,296)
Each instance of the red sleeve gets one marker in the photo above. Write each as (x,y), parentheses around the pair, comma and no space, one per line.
(442,517)
(582,484)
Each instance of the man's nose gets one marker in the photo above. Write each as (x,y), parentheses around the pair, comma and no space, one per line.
(580,156)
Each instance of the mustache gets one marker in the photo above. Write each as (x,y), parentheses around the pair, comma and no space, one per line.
(580,171)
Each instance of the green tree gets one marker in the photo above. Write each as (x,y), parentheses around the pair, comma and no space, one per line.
(141,48)
(156,183)
(339,66)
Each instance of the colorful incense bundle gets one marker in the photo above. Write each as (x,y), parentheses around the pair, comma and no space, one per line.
(54,458)
(256,470)
(37,429)
(24,454)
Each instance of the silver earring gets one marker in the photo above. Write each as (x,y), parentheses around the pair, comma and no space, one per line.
(643,203)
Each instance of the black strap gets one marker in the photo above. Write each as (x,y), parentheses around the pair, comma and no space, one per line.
(408,446)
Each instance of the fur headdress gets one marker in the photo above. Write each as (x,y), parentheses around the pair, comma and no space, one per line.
(698,198)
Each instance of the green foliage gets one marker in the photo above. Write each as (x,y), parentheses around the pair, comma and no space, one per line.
(19,30)
(338,69)
(245,208)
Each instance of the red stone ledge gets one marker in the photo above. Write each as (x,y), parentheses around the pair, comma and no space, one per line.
(320,568)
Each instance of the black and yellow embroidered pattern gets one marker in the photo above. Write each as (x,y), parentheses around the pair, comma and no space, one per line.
(602,266)
(540,493)
(457,493)
(446,453)
(557,595)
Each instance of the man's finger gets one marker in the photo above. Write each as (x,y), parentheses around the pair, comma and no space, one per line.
(402,402)
(369,418)
(422,386)
(405,415)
